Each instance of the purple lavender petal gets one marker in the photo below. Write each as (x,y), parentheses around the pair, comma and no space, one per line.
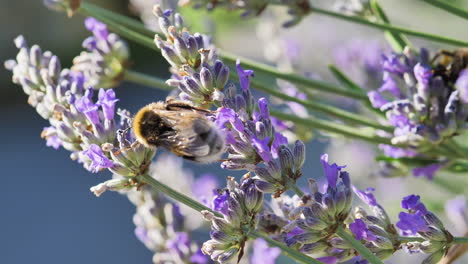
(98,28)
(263,106)
(328,260)
(244,76)
(413,202)
(390,85)
(396,152)
(220,202)
(142,234)
(331,171)
(262,148)
(199,258)
(203,188)
(366,196)
(376,99)
(277,141)
(427,171)
(98,159)
(411,224)
(462,85)
(360,230)
(423,74)
(87,107)
(107,100)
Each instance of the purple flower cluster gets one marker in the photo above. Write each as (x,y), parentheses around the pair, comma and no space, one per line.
(229,233)
(424,109)
(422,222)
(197,73)
(104,62)
(375,231)
(79,124)
(320,215)
(254,144)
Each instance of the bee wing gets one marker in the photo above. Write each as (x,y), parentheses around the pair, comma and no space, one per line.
(189,126)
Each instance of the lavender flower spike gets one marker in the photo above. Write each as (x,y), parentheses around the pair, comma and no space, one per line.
(196,71)
(229,233)
(107,55)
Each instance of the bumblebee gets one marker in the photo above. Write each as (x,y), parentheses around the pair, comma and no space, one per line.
(449,64)
(180,128)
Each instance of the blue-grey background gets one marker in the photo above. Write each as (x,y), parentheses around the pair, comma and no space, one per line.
(47,214)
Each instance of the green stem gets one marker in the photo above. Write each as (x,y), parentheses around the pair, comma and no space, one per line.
(389,27)
(328,126)
(365,252)
(307,82)
(456,240)
(350,84)
(296,189)
(321,107)
(148,80)
(157,185)
(460,240)
(396,40)
(445,5)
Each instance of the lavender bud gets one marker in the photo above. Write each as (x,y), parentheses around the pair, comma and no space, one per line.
(299,154)
(432,219)
(308,237)
(433,234)
(286,159)
(313,248)
(383,242)
(222,77)
(170,55)
(192,47)
(264,186)
(180,47)
(206,79)
(339,243)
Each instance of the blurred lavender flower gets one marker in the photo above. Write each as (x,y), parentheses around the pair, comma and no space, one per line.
(229,233)
(456,210)
(195,69)
(69,6)
(104,62)
(262,253)
(162,228)
(361,59)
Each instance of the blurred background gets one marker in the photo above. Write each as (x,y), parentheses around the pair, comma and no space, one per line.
(48,214)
